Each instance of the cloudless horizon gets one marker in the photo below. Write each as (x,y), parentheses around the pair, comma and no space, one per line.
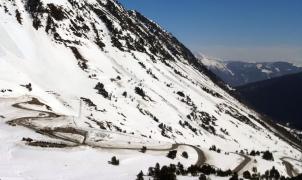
(256,30)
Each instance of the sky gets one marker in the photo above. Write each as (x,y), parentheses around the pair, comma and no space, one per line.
(247,30)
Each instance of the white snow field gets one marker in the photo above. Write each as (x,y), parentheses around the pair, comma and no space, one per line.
(140,100)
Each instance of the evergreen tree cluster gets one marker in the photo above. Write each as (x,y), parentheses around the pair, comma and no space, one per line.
(272,174)
(172,171)
(140,92)
(254,153)
(268,156)
(101,90)
(35,7)
(214,148)
(18,16)
(56,12)
(163,173)
(172,154)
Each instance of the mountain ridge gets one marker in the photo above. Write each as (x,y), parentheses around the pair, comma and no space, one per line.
(238,73)
(278,98)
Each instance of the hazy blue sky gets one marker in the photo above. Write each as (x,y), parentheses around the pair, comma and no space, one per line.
(256,30)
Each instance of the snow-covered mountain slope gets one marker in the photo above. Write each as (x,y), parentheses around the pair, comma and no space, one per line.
(237,73)
(96,69)
(265,97)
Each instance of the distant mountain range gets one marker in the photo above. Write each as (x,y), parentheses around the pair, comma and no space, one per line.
(280,98)
(237,73)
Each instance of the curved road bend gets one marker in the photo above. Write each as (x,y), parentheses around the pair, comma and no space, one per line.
(242,164)
(200,160)
(289,167)
(22,122)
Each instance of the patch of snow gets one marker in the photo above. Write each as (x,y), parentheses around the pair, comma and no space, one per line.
(266,71)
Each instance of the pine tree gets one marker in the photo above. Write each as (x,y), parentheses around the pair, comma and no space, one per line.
(166,174)
(172,154)
(157,170)
(268,156)
(185,154)
(140,176)
(234,177)
(114,161)
(202,177)
(247,175)
(144,149)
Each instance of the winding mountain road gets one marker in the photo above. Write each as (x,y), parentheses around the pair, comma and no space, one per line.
(246,160)
(199,162)
(201,156)
(291,172)
(25,122)
(289,167)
